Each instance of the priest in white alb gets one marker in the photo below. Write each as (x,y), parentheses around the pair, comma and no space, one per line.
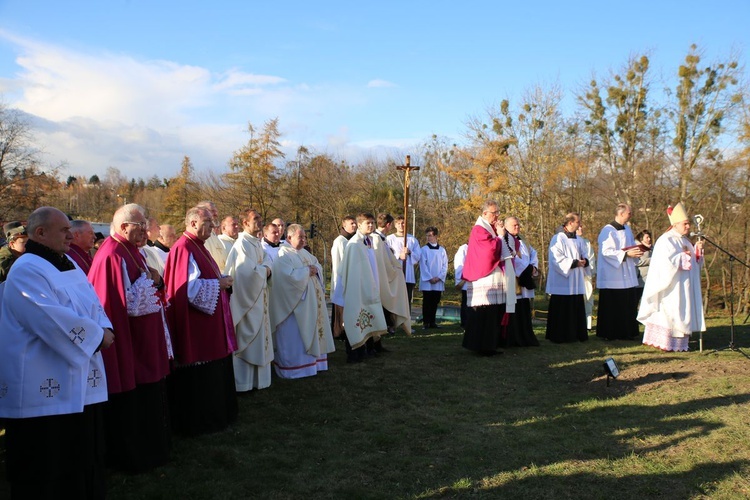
(250,267)
(302,335)
(671,306)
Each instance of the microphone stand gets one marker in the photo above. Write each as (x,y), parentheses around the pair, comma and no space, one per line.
(732,258)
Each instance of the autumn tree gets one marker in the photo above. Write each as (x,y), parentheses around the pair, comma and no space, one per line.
(253,179)
(23,181)
(483,171)
(181,194)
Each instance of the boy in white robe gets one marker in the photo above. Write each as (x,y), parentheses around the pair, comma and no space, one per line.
(358,291)
(411,254)
(393,294)
(433,268)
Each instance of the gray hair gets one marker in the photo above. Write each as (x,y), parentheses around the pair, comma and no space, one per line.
(487,204)
(195,213)
(293,228)
(125,213)
(79,225)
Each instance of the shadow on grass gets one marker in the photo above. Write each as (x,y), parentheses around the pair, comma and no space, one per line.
(538,485)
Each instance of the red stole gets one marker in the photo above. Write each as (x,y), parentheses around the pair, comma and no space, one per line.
(483,254)
(139,353)
(81,257)
(196,336)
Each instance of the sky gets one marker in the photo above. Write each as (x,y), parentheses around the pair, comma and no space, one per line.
(140,84)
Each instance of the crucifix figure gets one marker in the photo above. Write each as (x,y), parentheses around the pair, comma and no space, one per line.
(407,168)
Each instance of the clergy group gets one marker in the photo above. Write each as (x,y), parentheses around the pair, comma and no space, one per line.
(110,346)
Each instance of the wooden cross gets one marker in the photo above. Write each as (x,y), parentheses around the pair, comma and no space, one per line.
(407,168)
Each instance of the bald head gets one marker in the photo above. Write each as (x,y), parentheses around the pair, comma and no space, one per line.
(50,227)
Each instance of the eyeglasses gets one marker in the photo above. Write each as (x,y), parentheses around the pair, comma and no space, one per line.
(142,225)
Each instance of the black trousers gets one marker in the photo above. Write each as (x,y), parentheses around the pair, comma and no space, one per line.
(430,301)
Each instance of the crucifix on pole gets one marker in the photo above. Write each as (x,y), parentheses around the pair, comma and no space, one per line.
(407,168)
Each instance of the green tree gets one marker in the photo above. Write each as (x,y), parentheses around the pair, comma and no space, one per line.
(617,122)
(702,102)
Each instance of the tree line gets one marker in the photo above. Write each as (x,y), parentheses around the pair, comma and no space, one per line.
(631,137)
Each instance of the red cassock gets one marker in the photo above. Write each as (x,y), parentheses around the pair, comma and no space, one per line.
(139,353)
(81,257)
(483,254)
(196,336)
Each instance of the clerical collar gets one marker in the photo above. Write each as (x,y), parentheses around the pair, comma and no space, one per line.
(429,245)
(570,235)
(617,225)
(61,262)
(274,245)
(346,234)
(161,246)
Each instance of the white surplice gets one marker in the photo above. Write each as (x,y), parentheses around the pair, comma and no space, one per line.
(396,244)
(52,325)
(525,257)
(563,279)
(433,263)
(616,270)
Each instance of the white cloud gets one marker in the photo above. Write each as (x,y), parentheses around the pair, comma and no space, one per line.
(374,84)
(98,109)
(237,80)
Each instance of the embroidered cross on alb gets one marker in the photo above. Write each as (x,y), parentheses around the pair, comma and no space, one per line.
(94,377)
(77,336)
(51,386)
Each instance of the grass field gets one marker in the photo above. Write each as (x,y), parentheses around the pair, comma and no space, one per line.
(431,420)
